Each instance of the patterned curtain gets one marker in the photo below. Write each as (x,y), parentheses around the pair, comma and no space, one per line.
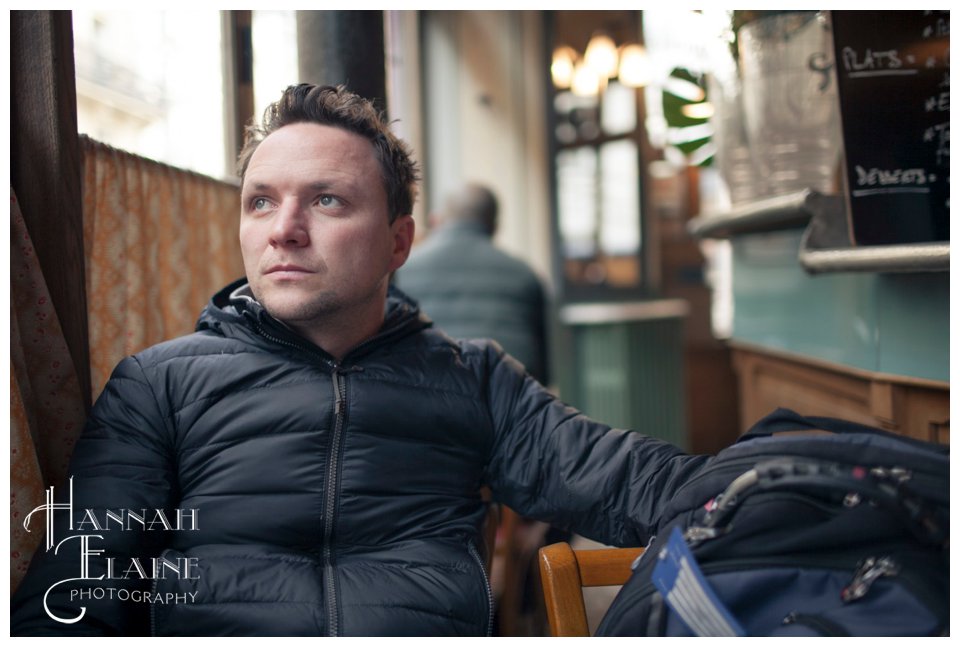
(46,407)
(159,242)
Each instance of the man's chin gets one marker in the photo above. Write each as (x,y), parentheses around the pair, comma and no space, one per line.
(292,309)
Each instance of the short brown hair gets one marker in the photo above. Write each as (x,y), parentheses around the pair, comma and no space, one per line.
(336,106)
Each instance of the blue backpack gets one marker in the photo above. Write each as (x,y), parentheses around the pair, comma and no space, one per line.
(841,531)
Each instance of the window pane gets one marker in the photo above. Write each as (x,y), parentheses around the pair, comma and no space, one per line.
(150,82)
(577,200)
(619,112)
(275,56)
(620,198)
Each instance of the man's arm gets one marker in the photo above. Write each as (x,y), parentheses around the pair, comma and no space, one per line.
(551,462)
(122,462)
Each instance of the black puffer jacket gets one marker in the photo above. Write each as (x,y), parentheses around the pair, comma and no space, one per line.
(330,498)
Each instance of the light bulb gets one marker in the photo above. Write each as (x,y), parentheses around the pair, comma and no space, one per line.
(586,82)
(634,66)
(561,67)
(601,55)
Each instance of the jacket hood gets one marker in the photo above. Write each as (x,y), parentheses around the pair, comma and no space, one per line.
(235,307)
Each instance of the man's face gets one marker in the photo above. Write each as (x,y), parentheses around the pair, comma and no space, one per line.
(316,239)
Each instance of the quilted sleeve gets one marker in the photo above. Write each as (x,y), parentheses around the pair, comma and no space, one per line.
(551,462)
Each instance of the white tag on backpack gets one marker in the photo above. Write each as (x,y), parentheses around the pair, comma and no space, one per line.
(686,591)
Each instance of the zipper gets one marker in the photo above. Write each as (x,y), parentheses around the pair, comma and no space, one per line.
(289,344)
(319,352)
(339,396)
(869,571)
(486,585)
(338,379)
(658,613)
(338,376)
(754,563)
(153,595)
(917,506)
(153,609)
(821,625)
(333,473)
(924,484)
(701,530)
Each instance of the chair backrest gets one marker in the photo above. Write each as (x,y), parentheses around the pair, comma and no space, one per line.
(564,572)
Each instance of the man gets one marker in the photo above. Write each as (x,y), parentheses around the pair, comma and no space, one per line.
(473,290)
(310,460)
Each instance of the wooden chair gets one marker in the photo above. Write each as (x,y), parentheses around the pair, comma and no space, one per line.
(564,572)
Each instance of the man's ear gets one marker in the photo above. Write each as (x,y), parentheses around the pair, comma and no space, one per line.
(403,229)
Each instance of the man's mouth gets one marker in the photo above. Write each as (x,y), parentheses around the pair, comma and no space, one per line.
(287,270)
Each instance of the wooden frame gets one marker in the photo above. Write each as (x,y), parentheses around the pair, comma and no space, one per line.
(564,572)
(908,406)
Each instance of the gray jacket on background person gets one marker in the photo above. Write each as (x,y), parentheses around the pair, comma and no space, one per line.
(473,290)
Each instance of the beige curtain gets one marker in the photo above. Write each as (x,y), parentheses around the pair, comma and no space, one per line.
(159,242)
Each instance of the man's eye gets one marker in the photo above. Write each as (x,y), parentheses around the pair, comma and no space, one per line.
(328,201)
(260,204)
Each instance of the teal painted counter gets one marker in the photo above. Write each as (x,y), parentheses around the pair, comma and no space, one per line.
(889,323)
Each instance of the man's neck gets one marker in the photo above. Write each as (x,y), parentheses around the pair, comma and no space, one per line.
(463,226)
(340,333)
(337,333)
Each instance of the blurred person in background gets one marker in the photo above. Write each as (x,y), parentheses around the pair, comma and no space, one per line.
(473,290)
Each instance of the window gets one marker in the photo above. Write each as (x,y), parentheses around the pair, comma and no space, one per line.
(275,56)
(598,135)
(151,81)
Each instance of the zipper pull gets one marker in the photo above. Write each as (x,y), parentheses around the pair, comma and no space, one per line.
(869,570)
(337,392)
(897,475)
(695,535)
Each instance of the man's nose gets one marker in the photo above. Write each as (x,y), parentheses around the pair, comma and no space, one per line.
(289,226)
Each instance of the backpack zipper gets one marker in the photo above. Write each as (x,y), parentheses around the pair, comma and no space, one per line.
(821,625)
(859,569)
(914,501)
(868,572)
(753,563)
(922,483)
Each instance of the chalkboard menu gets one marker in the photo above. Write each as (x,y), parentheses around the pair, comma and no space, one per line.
(894,85)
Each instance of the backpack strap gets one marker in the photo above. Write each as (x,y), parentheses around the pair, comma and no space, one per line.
(785,420)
